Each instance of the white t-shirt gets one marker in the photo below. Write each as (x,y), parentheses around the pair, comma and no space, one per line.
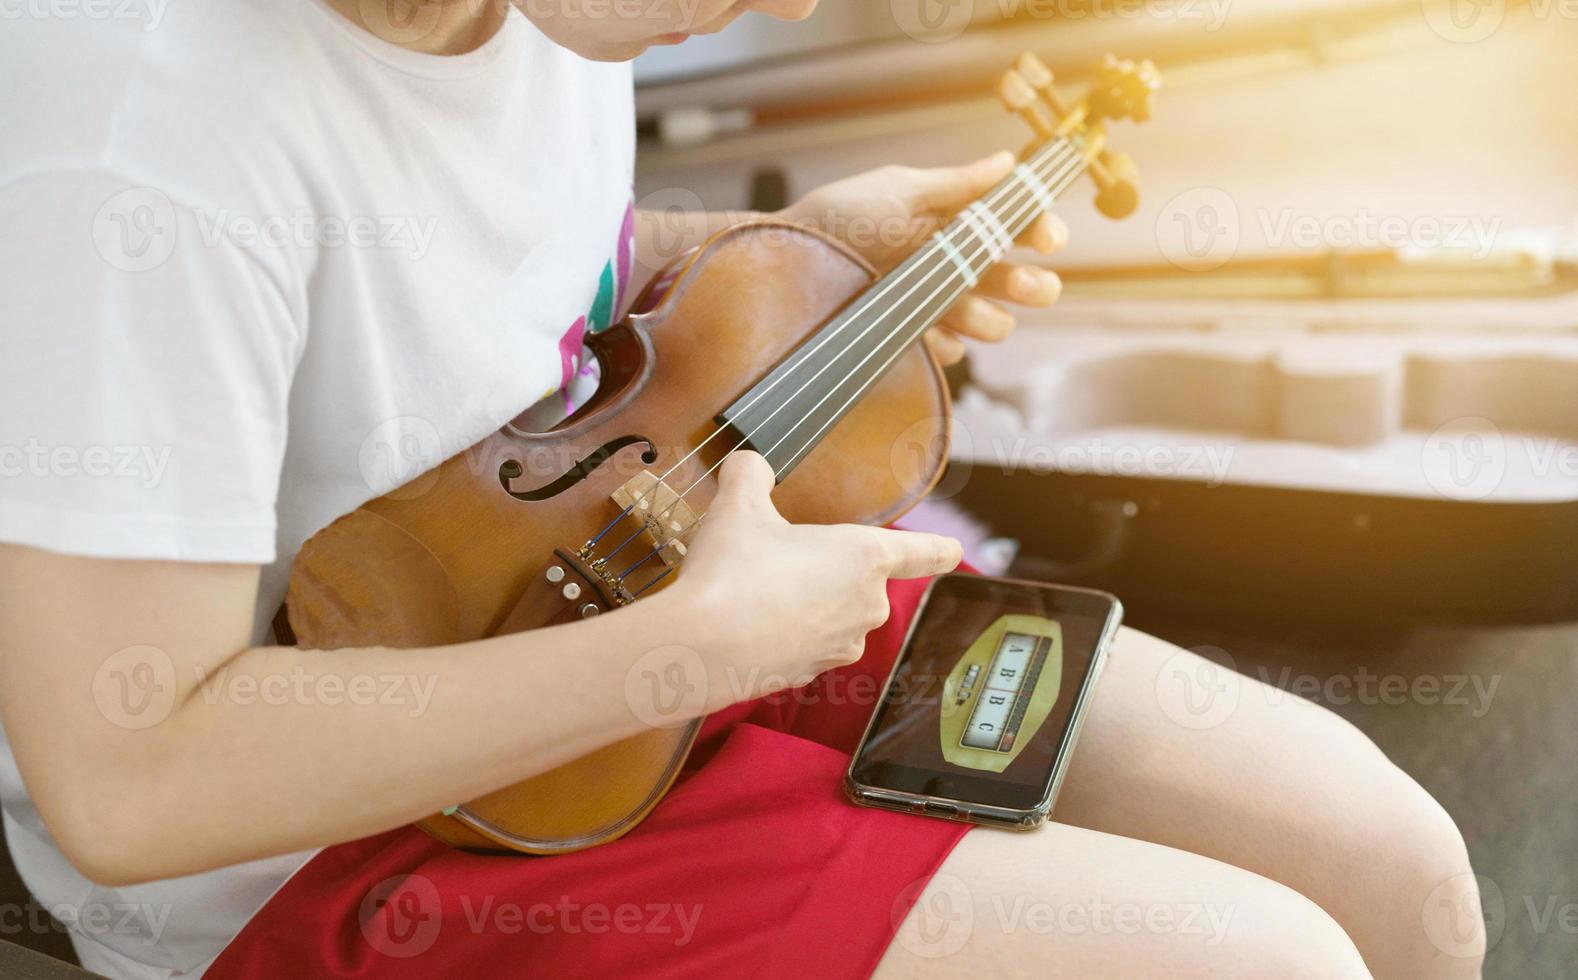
(256,268)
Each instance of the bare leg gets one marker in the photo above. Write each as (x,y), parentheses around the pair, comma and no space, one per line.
(1180,753)
(1069,902)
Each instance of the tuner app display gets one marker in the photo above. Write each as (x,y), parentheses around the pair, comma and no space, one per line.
(984,694)
(1001,691)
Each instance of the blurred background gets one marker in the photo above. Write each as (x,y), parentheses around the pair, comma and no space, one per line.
(1313,409)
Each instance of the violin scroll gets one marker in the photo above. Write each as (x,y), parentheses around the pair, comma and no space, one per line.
(1123,90)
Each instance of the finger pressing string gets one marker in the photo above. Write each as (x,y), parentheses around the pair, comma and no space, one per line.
(1060,182)
(1056,155)
(1067,162)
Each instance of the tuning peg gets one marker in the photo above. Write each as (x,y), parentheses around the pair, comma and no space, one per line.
(1123,90)
(1018,95)
(1119,90)
(1039,77)
(1118,191)
(1035,71)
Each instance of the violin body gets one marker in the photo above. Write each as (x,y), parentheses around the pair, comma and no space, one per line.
(508,535)
(453,556)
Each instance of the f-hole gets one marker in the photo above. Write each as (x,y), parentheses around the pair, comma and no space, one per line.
(511,469)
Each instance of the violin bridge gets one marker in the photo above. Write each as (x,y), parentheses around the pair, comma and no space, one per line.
(664,514)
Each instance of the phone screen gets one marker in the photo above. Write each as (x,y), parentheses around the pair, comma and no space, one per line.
(983,697)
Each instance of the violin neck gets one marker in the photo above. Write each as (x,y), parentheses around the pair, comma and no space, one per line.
(788,412)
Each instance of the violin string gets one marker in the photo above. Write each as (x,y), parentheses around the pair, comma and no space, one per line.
(1070,172)
(1052,149)
(665,574)
(1067,148)
(1026,209)
(983,247)
(810,443)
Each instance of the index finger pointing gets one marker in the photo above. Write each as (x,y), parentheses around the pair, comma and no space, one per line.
(917,554)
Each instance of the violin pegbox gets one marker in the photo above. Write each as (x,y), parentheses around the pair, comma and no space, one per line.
(1020,97)
(1121,89)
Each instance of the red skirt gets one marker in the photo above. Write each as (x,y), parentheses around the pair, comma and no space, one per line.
(753,865)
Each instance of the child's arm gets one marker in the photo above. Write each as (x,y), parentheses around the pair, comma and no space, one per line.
(156,743)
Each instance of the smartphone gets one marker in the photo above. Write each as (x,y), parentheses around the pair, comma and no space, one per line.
(981,711)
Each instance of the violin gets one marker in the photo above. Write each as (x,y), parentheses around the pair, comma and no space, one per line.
(770,337)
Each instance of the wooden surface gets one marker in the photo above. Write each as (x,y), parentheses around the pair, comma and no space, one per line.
(450,557)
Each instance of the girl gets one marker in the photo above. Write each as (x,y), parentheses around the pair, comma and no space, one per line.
(267,260)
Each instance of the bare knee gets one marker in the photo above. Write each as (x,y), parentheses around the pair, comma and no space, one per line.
(1415,908)
(1413,902)
(1280,933)
(1435,889)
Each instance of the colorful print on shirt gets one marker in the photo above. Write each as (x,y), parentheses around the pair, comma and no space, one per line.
(610,299)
